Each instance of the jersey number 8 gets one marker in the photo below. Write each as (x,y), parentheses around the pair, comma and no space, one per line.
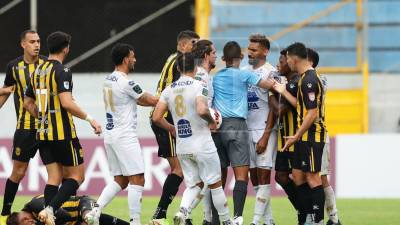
(180,107)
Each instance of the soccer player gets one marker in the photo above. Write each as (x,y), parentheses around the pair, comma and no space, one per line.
(74,211)
(262,136)
(186,99)
(287,126)
(310,136)
(330,200)
(232,139)
(121,96)
(49,98)
(165,140)
(24,144)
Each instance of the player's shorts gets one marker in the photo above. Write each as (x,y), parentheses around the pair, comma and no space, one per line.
(308,156)
(65,152)
(284,161)
(25,145)
(232,142)
(125,156)
(166,142)
(199,167)
(326,159)
(266,160)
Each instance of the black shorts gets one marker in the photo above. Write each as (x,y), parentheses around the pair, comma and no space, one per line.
(308,156)
(284,161)
(166,142)
(65,152)
(25,145)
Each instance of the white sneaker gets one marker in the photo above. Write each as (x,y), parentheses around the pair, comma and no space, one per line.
(93,216)
(227,222)
(180,217)
(46,216)
(238,220)
(135,221)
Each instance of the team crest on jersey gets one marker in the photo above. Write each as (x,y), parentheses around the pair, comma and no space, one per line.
(18,151)
(309,85)
(311,96)
(291,86)
(131,83)
(137,89)
(66,69)
(66,84)
(197,78)
(184,128)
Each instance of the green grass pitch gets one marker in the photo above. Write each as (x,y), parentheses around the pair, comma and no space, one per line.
(351,211)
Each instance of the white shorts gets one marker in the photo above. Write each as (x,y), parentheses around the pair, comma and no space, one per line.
(326,159)
(125,157)
(266,160)
(200,167)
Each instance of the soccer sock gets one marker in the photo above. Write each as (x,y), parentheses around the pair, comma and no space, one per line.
(73,194)
(303,200)
(239,197)
(220,203)
(318,203)
(261,202)
(330,204)
(135,202)
(188,196)
(268,209)
(9,195)
(67,188)
(106,219)
(290,190)
(50,191)
(170,188)
(197,200)
(108,194)
(207,205)
(214,212)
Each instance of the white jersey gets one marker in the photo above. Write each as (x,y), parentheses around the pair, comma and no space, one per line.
(257,98)
(203,76)
(192,132)
(120,96)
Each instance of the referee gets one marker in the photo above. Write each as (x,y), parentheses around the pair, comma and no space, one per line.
(165,140)
(24,143)
(49,98)
(232,141)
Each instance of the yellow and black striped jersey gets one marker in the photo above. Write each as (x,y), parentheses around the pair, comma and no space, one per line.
(49,80)
(18,73)
(70,212)
(169,74)
(288,121)
(311,95)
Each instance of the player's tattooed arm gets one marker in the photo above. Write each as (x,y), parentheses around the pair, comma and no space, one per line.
(30,106)
(159,120)
(147,100)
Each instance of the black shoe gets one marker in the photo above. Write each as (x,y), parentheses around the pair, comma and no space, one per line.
(330,222)
(188,222)
(205,222)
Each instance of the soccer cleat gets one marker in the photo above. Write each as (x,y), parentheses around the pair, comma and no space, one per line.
(179,218)
(205,222)
(238,220)
(93,216)
(46,216)
(161,221)
(227,222)
(330,222)
(271,222)
(188,221)
(3,219)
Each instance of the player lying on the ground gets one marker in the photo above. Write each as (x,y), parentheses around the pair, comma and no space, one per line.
(73,211)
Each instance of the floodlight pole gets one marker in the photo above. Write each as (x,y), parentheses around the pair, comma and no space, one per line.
(33,9)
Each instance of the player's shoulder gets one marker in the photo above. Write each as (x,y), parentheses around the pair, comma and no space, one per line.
(15,61)
(310,76)
(59,67)
(267,67)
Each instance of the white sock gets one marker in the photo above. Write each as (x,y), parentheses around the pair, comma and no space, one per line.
(189,195)
(330,204)
(261,202)
(198,199)
(220,203)
(207,205)
(268,209)
(108,194)
(135,202)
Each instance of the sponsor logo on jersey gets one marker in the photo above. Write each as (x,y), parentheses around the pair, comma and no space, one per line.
(137,89)
(184,128)
(252,100)
(110,121)
(131,83)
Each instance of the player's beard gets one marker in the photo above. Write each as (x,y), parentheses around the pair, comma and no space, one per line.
(212,65)
(131,67)
(253,61)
